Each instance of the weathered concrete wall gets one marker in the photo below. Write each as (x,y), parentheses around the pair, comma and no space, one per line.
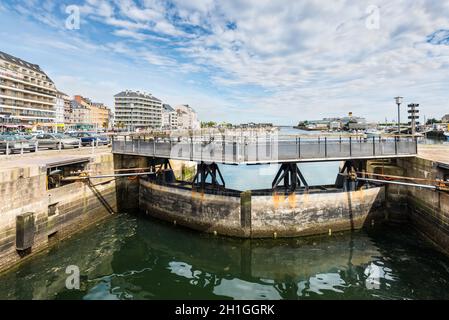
(76,206)
(127,189)
(396,197)
(262,216)
(428,209)
(199,211)
(314,213)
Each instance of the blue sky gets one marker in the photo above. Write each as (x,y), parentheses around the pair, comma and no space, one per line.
(241,61)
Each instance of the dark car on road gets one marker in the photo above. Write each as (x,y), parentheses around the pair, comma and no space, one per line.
(88,138)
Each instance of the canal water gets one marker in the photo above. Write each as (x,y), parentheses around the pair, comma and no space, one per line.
(134,257)
(130,257)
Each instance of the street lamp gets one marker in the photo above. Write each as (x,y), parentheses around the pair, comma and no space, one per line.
(398,102)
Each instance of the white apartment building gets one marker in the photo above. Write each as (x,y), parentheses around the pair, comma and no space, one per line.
(27,95)
(187,117)
(60,107)
(169,118)
(135,110)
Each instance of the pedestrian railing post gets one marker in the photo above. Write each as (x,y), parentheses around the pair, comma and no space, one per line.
(21,148)
(36,146)
(7,148)
(60,145)
(395,145)
(325,147)
(350,146)
(374,146)
(416,145)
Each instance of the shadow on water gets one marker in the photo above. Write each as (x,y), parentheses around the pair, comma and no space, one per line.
(131,257)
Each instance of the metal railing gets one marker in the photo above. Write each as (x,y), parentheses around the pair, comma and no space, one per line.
(9,148)
(266,149)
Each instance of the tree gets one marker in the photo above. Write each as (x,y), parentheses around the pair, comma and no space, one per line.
(432,121)
(120,125)
(209,124)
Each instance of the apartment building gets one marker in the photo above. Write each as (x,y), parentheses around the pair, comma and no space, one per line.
(94,113)
(27,95)
(80,115)
(137,111)
(187,117)
(169,118)
(60,109)
(68,118)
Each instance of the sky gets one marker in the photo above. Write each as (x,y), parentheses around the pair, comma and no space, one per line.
(242,60)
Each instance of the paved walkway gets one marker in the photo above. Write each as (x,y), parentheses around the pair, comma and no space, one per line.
(48,156)
(434,152)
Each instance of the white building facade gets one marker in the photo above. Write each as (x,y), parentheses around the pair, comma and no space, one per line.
(169,118)
(187,118)
(137,111)
(60,111)
(27,95)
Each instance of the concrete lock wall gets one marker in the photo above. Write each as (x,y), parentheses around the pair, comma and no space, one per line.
(314,213)
(56,213)
(428,210)
(196,210)
(262,216)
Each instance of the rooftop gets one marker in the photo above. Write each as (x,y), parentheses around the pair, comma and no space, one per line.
(20,62)
(167,108)
(137,94)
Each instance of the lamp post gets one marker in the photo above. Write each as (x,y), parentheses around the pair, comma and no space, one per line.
(398,102)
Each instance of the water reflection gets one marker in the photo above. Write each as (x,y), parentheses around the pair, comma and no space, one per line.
(136,258)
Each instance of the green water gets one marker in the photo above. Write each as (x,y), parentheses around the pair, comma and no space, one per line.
(129,257)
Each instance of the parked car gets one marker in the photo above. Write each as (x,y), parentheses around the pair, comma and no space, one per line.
(52,141)
(15,144)
(87,138)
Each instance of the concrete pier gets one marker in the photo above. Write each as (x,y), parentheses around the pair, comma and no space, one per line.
(54,213)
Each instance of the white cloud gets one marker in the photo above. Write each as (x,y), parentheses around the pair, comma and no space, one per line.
(310,57)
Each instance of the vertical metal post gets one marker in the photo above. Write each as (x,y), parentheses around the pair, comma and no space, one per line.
(60,145)
(374,146)
(191,148)
(325,147)
(257,148)
(299,147)
(395,145)
(7,148)
(350,146)
(154,146)
(21,148)
(416,144)
(223,146)
(36,146)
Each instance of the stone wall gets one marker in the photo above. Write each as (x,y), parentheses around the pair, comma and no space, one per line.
(57,213)
(428,209)
(262,216)
(196,210)
(314,213)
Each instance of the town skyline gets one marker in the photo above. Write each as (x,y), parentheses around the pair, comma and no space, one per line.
(229,72)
